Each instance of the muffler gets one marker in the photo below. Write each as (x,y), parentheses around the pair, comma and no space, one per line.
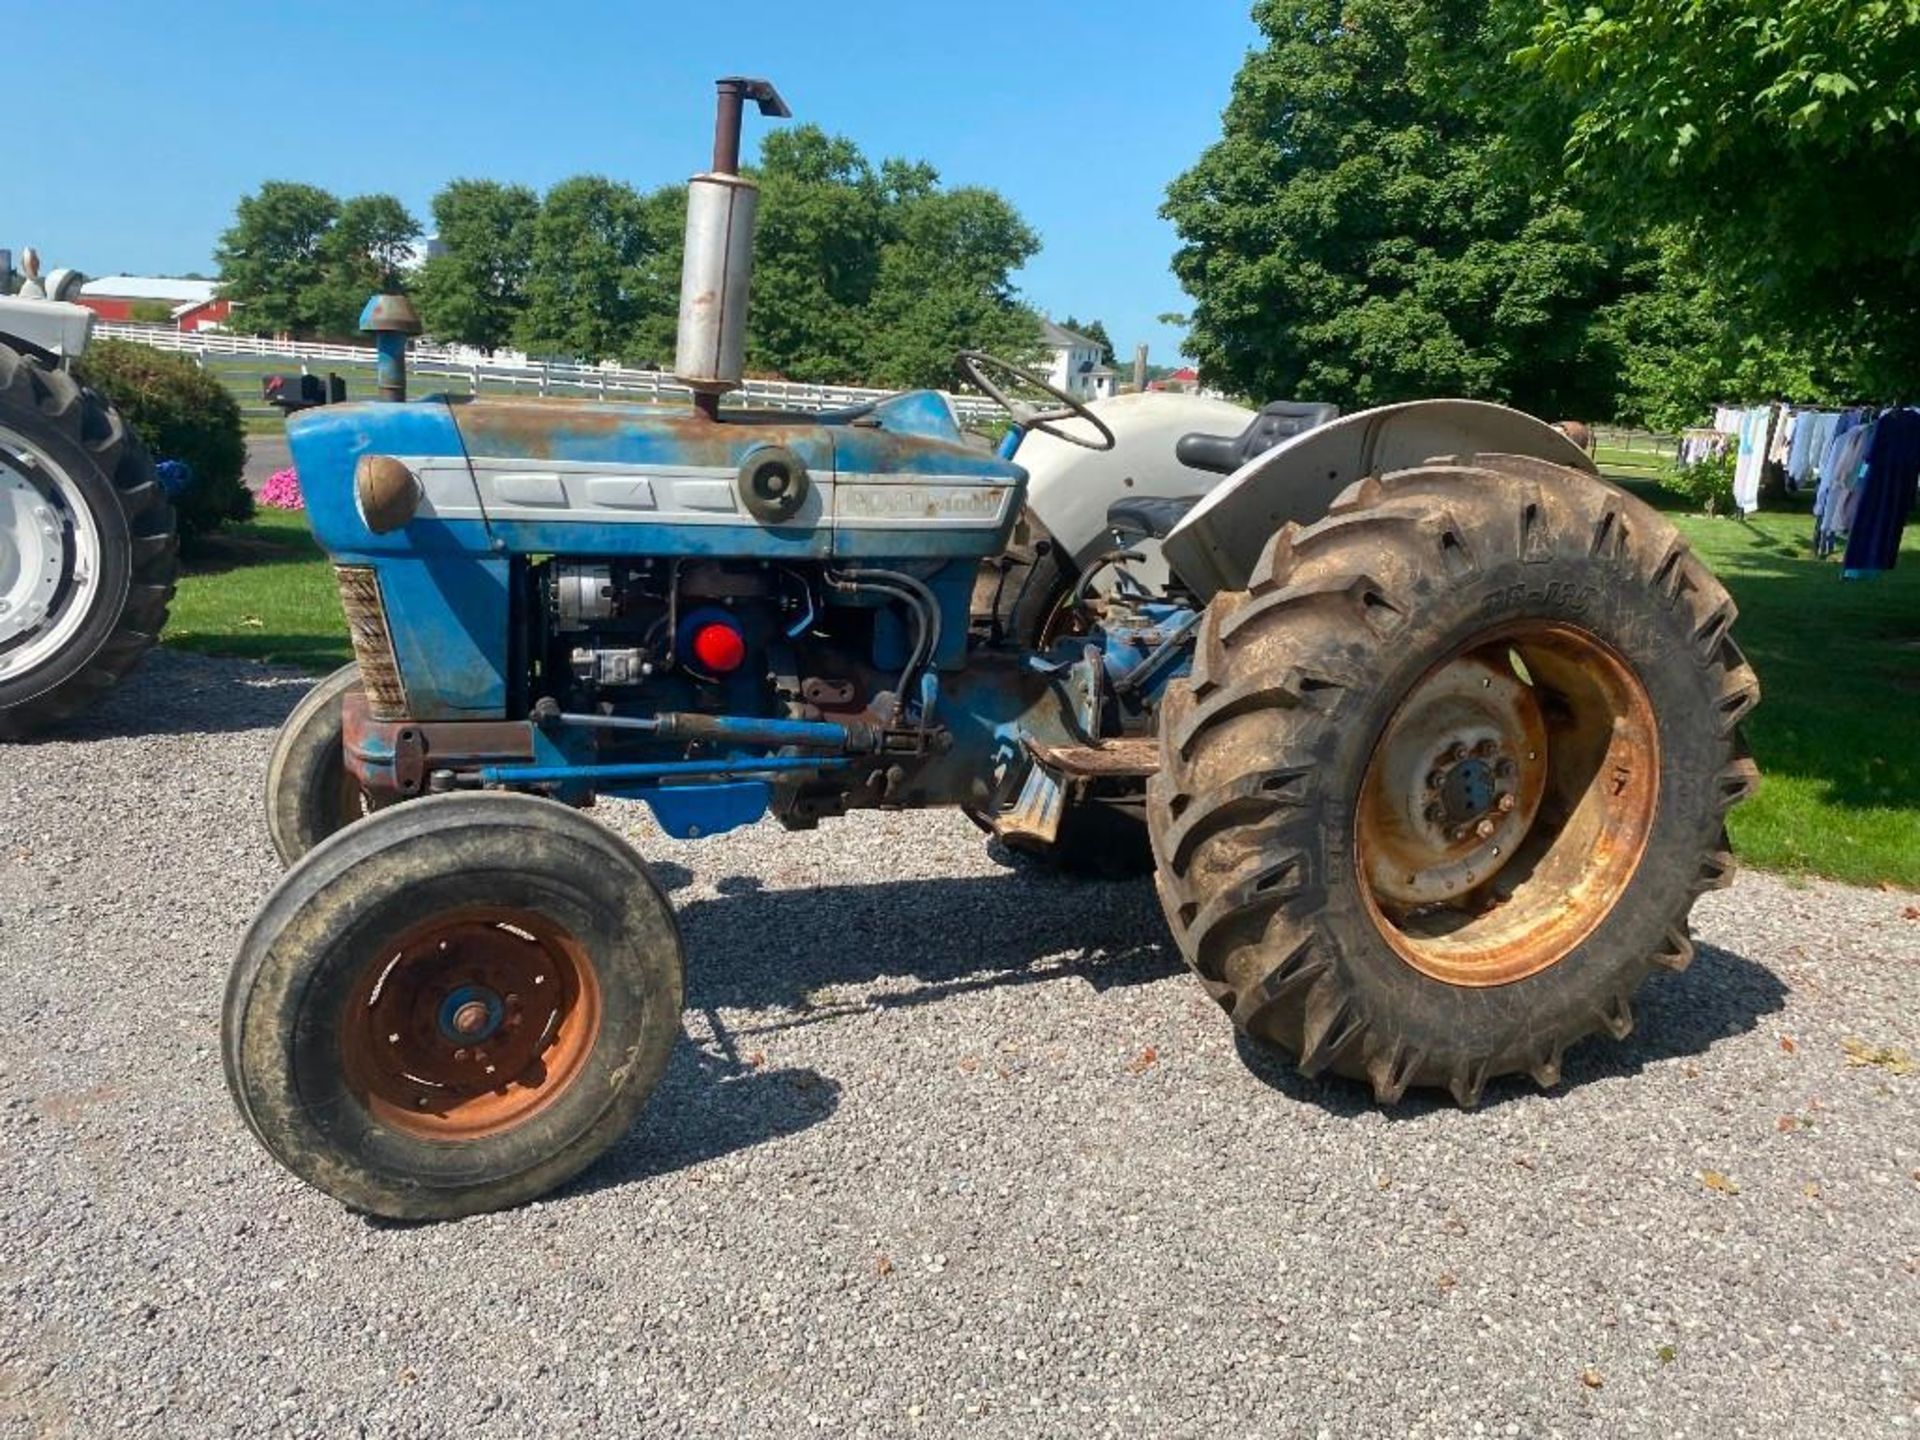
(710,358)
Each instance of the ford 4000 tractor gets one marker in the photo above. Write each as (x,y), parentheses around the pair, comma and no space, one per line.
(1427,733)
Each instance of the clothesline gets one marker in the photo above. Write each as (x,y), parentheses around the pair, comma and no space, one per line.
(1863,463)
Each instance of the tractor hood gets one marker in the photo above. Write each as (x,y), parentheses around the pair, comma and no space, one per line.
(589,477)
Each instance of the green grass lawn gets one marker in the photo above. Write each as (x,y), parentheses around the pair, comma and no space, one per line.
(262,590)
(1839,663)
(1839,666)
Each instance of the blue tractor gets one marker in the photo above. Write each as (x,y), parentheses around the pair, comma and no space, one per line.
(1426,733)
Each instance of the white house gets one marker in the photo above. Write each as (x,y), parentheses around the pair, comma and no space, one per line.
(1075,363)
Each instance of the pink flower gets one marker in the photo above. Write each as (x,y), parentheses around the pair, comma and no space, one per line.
(282,491)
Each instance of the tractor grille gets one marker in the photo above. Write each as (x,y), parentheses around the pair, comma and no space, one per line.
(372,645)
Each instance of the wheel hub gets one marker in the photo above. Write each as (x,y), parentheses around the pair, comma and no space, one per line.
(1467,791)
(1459,782)
(1507,804)
(49,553)
(471,1014)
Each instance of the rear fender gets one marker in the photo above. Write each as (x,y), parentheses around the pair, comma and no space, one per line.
(1216,546)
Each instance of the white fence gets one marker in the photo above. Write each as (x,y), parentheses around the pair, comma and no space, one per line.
(542,377)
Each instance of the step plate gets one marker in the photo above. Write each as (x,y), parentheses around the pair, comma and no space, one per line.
(1109,760)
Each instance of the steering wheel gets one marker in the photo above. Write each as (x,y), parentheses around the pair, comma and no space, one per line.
(977,365)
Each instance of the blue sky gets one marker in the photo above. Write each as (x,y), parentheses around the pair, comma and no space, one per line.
(165,113)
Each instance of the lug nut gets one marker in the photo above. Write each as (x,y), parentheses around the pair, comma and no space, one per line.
(1456,751)
(1435,780)
(1436,813)
(1485,748)
(1484,829)
(1505,803)
(1506,769)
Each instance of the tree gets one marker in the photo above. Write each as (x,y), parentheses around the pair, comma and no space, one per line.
(817,255)
(1352,236)
(271,262)
(596,280)
(1684,347)
(362,254)
(1777,135)
(879,275)
(1093,330)
(473,290)
(944,286)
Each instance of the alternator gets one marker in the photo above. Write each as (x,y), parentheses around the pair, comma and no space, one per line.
(582,596)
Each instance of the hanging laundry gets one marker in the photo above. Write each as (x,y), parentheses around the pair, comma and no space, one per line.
(1698,445)
(1839,493)
(1885,494)
(1756,434)
(1811,434)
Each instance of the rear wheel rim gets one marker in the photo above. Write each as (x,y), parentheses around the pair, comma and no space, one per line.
(1506,806)
(471,1024)
(49,555)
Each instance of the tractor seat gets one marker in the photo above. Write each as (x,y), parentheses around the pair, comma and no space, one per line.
(1148,517)
(1282,420)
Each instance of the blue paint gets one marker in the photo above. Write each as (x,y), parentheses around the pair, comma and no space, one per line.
(689,812)
(753,730)
(630,539)
(447,614)
(654,770)
(328,441)
(926,413)
(952,587)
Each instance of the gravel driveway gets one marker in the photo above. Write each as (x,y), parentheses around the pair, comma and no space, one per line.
(947,1147)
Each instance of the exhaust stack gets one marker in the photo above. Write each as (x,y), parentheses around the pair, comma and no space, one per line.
(721,206)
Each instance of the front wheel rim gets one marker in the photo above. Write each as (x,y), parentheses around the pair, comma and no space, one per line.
(470,1024)
(1507,804)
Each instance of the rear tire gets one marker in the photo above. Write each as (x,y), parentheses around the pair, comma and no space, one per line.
(402,958)
(85,513)
(1268,817)
(310,795)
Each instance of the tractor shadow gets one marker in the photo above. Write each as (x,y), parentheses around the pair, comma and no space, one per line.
(841,949)
(814,956)
(177,692)
(1720,995)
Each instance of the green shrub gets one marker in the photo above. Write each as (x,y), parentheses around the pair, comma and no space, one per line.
(150,312)
(1707,483)
(182,413)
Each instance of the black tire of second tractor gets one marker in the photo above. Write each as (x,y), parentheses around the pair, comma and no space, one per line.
(308,797)
(1097,840)
(1264,747)
(139,546)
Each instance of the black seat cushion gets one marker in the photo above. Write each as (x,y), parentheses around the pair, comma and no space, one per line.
(1282,420)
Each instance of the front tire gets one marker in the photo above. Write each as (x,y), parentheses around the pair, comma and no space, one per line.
(1447,778)
(453,1006)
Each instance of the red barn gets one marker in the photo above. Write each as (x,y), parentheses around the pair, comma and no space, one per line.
(191,304)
